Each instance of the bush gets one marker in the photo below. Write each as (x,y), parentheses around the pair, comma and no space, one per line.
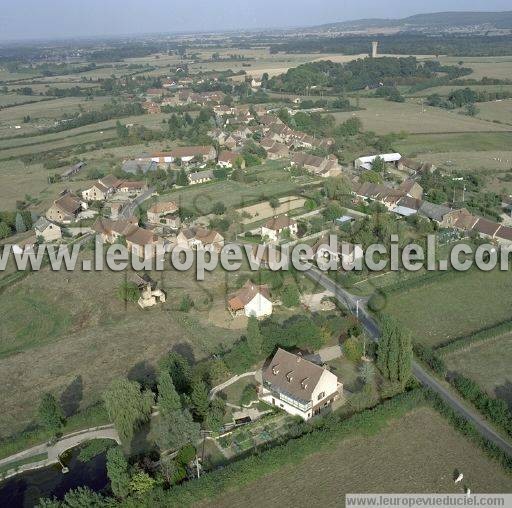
(290,296)
(431,358)
(353,349)
(248,395)
(495,409)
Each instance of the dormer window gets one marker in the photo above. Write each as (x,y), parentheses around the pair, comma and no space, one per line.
(275,369)
(304,383)
(289,376)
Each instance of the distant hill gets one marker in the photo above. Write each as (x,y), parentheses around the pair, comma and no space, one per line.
(437,20)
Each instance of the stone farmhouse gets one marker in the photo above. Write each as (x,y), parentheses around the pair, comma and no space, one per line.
(200,239)
(66,208)
(164,212)
(200,177)
(47,230)
(140,242)
(320,166)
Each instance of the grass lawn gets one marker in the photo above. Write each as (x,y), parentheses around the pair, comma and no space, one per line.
(347,372)
(233,393)
(417,453)
(488,364)
(457,306)
(384,117)
(272,180)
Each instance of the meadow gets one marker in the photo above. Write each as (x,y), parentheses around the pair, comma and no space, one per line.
(394,460)
(59,326)
(44,113)
(492,67)
(488,364)
(452,306)
(497,142)
(384,117)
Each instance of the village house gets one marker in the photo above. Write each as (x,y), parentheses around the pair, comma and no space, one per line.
(47,230)
(131,187)
(140,242)
(274,228)
(252,300)
(222,109)
(228,159)
(433,211)
(112,230)
(320,166)
(97,192)
(278,151)
(298,386)
(200,239)
(200,177)
(66,208)
(143,243)
(164,213)
(411,189)
(151,107)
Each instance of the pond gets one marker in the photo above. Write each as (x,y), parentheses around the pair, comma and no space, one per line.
(24,490)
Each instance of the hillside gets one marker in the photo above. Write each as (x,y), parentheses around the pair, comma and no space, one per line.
(439,20)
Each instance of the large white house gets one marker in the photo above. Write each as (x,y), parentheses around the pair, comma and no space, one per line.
(366,162)
(251,300)
(298,386)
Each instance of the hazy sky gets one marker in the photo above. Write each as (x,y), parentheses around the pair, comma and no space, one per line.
(24,19)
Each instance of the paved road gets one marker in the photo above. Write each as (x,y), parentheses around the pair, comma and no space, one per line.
(350,301)
(64,443)
(128,210)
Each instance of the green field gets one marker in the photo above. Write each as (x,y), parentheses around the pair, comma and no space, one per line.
(492,67)
(454,306)
(488,364)
(417,453)
(462,142)
(10,99)
(43,113)
(272,180)
(500,111)
(59,325)
(411,116)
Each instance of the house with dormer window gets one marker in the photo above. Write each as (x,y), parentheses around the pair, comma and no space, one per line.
(298,386)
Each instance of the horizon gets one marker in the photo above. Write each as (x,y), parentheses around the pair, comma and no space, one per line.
(62,21)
